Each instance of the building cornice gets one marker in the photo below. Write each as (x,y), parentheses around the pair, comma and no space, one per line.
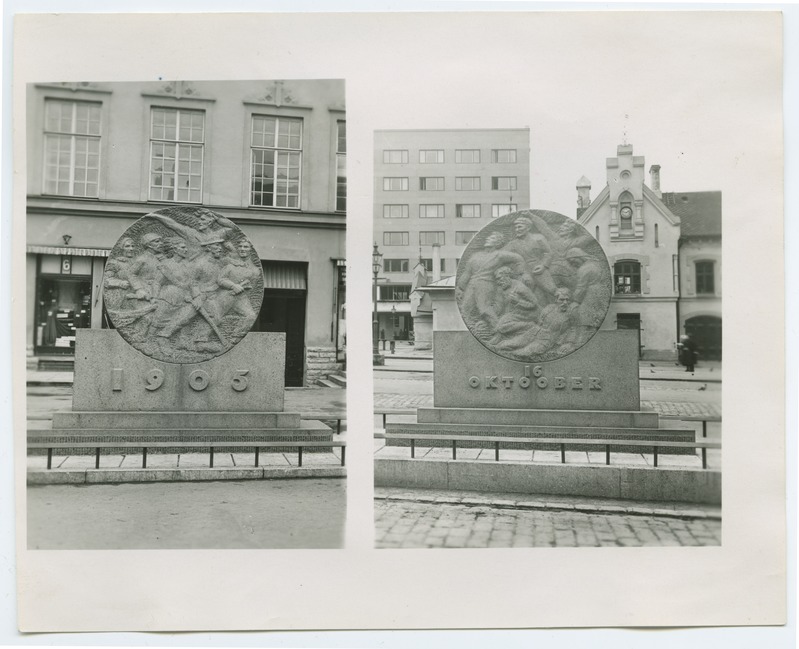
(135,210)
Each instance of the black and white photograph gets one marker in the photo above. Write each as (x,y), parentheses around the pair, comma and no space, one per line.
(552,379)
(186,333)
(299,295)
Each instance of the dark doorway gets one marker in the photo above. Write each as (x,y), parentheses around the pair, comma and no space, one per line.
(631,321)
(284,310)
(706,332)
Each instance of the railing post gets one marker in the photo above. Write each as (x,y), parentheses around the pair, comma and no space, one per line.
(97,458)
(338,426)
(212,458)
(257,455)
(655,455)
(299,456)
(454,452)
(343,454)
(413,448)
(704,428)
(49,458)
(563,453)
(496,451)
(143,457)
(704,458)
(384,420)
(607,454)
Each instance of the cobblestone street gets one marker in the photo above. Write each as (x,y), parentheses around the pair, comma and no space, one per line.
(463,520)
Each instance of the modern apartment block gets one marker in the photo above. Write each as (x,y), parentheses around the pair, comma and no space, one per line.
(433,191)
(268,155)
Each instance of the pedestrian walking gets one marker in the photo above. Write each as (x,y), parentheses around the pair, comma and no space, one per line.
(687,352)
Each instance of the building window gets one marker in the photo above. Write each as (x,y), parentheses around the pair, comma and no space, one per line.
(431,211)
(395,238)
(341,166)
(463,237)
(395,265)
(71,148)
(427,262)
(500,209)
(276,159)
(628,277)
(657,236)
(503,155)
(431,156)
(467,183)
(176,155)
(471,211)
(705,277)
(503,183)
(395,184)
(467,156)
(431,184)
(397,293)
(395,156)
(431,238)
(395,211)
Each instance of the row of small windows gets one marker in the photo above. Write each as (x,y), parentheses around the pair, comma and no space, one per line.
(462,237)
(402,266)
(627,277)
(177,147)
(436,156)
(436,183)
(462,210)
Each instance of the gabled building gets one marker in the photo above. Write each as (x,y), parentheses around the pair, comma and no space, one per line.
(664,250)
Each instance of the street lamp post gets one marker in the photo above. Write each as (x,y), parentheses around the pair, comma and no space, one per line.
(377,358)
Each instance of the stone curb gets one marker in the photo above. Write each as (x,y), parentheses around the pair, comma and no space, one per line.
(583,508)
(115,476)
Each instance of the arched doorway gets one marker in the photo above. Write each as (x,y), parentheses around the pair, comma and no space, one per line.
(706,332)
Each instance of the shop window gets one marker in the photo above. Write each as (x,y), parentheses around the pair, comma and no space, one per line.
(397,293)
(276,161)
(71,148)
(63,302)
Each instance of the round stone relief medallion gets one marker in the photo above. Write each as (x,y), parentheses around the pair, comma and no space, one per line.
(183,285)
(533,286)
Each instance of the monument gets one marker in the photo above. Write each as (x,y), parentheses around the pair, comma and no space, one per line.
(533,289)
(183,287)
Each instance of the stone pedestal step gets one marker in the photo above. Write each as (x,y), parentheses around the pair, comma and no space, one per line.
(173,420)
(501,416)
(339,380)
(522,432)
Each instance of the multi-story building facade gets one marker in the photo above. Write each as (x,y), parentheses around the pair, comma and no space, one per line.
(269,155)
(665,253)
(434,190)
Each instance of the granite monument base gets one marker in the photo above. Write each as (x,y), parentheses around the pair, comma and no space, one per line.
(591,394)
(123,395)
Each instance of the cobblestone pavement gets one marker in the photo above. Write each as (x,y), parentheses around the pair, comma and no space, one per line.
(422,519)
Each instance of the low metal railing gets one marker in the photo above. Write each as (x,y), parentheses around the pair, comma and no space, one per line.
(145,446)
(655,445)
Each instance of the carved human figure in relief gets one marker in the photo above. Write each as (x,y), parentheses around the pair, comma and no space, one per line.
(535,249)
(475,288)
(237,277)
(210,227)
(520,308)
(569,235)
(588,292)
(116,284)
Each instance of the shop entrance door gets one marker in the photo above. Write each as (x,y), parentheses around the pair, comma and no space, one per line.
(62,306)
